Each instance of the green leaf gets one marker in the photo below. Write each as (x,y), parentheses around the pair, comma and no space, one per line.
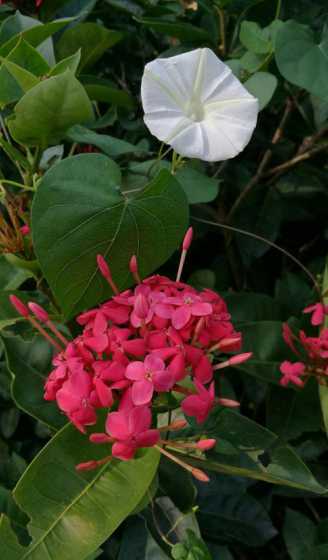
(110,145)
(28,58)
(228,512)
(70,63)
(299,535)
(14,154)
(197,186)
(262,85)
(101,220)
(33,31)
(93,40)
(264,339)
(11,277)
(301,60)
(45,112)
(99,90)
(250,306)
(29,363)
(72,513)
(10,90)
(183,31)
(254,38)
(285,411)
(255,452)
(8,314)
(252,62)
(23,77)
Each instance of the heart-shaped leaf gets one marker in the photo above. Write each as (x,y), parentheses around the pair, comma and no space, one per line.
(301,60)
(45,112)
(79,211)
(72,513)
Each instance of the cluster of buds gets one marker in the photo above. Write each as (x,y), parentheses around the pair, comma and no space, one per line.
(311,351)
(160,337)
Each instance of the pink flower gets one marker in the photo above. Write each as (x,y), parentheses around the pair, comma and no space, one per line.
(189,305)
(201,404)
(75,399)
(291,373)
(131,430)
(25,230)
(148,376)
(318,310)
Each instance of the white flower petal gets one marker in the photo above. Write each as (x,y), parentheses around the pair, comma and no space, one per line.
(195,104)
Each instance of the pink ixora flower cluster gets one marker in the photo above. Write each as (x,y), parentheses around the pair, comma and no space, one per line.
(311,351)
(160,337)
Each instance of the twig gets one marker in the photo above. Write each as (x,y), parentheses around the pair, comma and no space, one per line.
(278,169)
(264,161)
(222,45)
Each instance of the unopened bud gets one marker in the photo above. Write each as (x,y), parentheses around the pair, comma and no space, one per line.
(20,307)
(88,466)
(187,239)
(240,358)
(200,475)
(206,444)
(99,438)
(38,311)
(229,403)
(25,229)
(103,267)
(133,265)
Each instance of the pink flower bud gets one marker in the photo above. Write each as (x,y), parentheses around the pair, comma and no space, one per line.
(20,307)
(240,358)
(200,475)
(187,239)
(103,267)
(229,403)
(39,312)
(133,265)
(88,466)
(205,444)
(25,229)
(99,438)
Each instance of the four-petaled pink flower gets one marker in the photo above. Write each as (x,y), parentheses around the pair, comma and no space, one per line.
(201,404)
(188,305)
(148,376)
(131,430)
(318,310)
(292,373)
(76,398)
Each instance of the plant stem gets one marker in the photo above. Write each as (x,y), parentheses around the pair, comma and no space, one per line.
(15,184)
(264,161)
(278,169)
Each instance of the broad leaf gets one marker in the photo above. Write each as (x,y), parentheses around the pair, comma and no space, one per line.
(91,38)
(262,85)
(184,31)
(299,534)
(102,90)
(110,145)
(45,112)
(254,38)
(28,58)
(254,452)
(70,63)
(96,218)
(197,186)
(72,513)
(301,60)
(29,362)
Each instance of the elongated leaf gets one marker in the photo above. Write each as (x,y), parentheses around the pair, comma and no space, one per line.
(299,534)
(100,90)
(184,31)
(29,362)
(110,145)
(93,40)
(71,513)
(259,453)
(28,58)
(45,112)
(70,63)
(96,218)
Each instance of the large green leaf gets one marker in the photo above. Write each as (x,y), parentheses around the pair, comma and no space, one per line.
(301,60)
(72,513)
(91,38)
(29,363)
(33,31)
(45,112)
(110,145)
(28,58)
(254,38)
(262,85)
(254,452)
(299,534)
(96,218)
(184,31)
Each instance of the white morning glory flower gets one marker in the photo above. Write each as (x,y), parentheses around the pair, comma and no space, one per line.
(195,104)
